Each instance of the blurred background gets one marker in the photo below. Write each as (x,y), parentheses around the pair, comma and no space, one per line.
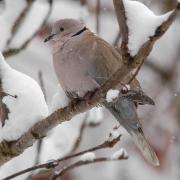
(23,26)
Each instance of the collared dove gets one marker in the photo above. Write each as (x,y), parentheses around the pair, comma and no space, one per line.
(83,62)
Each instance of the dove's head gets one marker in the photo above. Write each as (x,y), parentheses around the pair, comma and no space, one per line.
(65,28)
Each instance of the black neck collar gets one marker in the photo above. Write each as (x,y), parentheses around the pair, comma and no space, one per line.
(79,32)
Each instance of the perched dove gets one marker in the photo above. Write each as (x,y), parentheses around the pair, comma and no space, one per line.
(83,62)
(22,102)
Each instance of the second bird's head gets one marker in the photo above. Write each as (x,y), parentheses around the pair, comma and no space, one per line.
(65,28)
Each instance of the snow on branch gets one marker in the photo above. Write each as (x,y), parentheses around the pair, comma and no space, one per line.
(19,110)
(141,29)
(86,153)
(79,163)
(8,150)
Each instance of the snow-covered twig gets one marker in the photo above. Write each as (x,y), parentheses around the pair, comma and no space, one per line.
(110,143)
(79,163)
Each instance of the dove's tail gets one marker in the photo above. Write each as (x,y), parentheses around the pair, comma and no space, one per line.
(125,112)
(143,145)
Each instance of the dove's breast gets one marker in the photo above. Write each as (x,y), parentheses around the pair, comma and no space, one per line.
(72,62)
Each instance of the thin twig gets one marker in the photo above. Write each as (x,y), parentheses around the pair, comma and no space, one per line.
(82,163)
(54,163)
(20,20)
(136,72)
(14,51)
(116,40)
(39,143)
(81,133)
(98,10)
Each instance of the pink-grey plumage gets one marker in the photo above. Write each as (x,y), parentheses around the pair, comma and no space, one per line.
(83,62)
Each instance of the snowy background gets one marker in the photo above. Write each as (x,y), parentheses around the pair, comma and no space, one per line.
(160,79)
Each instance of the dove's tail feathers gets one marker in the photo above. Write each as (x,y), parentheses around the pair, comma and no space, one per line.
(125,112)
(143,145)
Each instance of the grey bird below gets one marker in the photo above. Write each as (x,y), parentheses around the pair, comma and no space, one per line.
(83,62)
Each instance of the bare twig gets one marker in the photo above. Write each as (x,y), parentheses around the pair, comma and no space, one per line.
(116,40)
(81,133)
(39,144)
(20,20)
(42,85)
(136,72)
(83,2)
(82,163)
(54,163)
(98,10)
(14,51)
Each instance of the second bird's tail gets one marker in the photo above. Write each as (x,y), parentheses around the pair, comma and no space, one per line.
(124,111)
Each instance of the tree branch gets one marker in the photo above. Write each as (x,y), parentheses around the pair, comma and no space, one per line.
(121,17)
(82,163)
(55,163)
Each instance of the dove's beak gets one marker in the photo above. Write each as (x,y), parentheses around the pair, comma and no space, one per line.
(49,37)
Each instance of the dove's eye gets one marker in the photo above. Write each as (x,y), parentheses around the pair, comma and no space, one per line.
(61,29)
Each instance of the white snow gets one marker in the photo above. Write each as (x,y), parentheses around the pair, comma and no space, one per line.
(142,24)
(113,135)
(89,156)
(111,95)
(28,108)
(59,100)
(95,116)
(126,87)
(26,159)
(61,140)
(122,153)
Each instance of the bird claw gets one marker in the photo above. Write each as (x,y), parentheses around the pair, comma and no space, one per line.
(87,97)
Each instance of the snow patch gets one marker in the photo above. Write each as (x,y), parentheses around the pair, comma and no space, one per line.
(122,153)
(27,108)
(113,135)
(111,95)
(89,156)
(59,100)
(95,116)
